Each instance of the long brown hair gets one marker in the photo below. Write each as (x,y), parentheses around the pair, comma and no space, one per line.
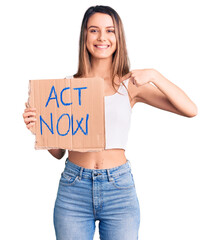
(120,60)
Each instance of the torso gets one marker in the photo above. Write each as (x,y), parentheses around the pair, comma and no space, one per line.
(108,158)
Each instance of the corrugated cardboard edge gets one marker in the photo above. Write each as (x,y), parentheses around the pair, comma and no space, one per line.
(77,149)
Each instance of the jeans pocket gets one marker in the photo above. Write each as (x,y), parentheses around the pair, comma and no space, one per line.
(124,181)
(68,178)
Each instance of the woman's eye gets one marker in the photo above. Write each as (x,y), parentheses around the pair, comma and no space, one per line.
(95,30)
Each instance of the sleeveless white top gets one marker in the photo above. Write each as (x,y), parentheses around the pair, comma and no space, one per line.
(117,118)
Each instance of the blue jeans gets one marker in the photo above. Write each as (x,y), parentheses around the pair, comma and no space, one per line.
(86,195)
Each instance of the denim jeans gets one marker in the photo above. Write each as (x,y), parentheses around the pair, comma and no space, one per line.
(86,195)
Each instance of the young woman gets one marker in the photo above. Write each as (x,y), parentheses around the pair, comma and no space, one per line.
(100,185)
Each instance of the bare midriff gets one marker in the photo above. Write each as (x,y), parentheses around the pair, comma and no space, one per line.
(105,159)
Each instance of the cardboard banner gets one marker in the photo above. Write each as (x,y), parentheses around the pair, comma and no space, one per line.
(70,113)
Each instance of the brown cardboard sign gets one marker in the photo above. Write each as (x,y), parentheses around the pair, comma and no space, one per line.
(70,113)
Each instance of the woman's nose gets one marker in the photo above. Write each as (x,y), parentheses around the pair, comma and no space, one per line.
(101,36)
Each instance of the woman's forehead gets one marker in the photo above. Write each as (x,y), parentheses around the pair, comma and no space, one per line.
(100,20)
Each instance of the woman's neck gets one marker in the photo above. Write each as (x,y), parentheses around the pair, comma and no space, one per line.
(101,68)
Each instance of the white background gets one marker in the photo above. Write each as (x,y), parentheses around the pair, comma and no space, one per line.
(175,160)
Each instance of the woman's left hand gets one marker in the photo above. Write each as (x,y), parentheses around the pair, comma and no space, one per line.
(140,77)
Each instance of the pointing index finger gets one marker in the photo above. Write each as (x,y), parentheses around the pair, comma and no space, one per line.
(126,76)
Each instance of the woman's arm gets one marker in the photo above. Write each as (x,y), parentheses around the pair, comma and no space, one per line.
(161,94)
(175,95)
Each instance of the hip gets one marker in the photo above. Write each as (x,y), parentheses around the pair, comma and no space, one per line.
(97,187)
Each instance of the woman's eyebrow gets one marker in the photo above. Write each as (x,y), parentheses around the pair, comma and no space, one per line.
(98,27)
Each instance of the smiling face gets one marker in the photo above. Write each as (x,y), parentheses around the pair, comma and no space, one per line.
(101,40)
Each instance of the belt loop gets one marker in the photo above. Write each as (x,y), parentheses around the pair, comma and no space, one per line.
(109,176)
(80,174)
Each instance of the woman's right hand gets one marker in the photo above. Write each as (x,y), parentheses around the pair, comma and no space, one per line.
(29,116)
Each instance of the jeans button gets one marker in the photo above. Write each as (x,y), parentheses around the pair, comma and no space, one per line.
(95,174)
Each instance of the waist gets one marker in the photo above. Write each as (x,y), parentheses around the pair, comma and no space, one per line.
(115,171)
(98,160)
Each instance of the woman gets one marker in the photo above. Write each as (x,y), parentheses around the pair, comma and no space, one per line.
(100,185)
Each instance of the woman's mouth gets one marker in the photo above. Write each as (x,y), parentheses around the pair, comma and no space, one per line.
(102,46)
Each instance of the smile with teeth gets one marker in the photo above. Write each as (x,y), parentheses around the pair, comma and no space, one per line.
(102,46)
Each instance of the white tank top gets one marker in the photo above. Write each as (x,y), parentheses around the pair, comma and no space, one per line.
(117,118)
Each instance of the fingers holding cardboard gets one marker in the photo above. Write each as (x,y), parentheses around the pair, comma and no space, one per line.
(26,105)
(30,110)
(29,117)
